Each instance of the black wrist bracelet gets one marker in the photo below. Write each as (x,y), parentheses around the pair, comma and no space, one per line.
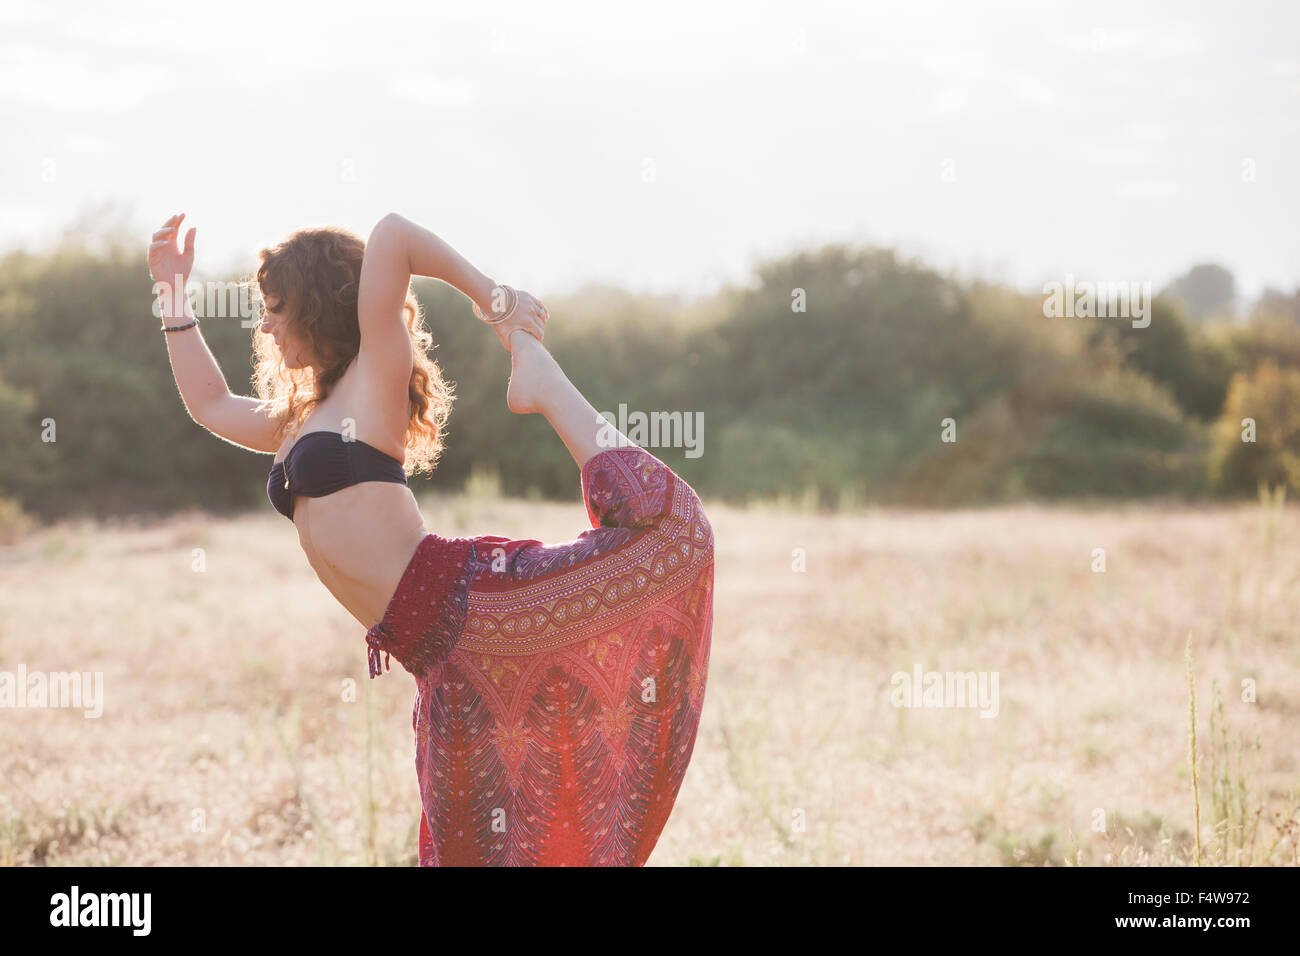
(180,328)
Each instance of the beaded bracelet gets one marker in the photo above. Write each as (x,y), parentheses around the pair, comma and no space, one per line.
(180,328)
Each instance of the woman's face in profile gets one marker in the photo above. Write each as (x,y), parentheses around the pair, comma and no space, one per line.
(279,325)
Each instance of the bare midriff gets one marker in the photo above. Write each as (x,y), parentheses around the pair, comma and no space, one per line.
(359,541)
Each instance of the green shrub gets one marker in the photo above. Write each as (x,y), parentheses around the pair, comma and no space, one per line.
(1270,398)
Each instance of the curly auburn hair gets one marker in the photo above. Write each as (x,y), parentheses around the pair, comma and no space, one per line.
(316,274)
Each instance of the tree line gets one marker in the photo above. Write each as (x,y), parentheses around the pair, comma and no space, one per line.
(840,375)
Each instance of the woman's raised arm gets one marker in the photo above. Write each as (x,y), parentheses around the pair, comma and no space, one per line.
(236,418)
(398,249)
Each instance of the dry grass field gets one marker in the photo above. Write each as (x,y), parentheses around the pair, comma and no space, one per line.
(229,736)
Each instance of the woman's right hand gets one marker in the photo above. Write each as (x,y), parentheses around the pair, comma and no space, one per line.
(529,315)
(168,263)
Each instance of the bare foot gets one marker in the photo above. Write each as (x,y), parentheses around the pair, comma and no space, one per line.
(531,369)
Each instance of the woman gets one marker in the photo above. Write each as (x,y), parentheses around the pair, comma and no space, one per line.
(558,687)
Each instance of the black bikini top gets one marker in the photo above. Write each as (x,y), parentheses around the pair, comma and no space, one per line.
(321,463)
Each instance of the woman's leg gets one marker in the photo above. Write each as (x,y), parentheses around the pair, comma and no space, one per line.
(539,385)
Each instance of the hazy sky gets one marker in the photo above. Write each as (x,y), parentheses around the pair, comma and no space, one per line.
(669,145)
